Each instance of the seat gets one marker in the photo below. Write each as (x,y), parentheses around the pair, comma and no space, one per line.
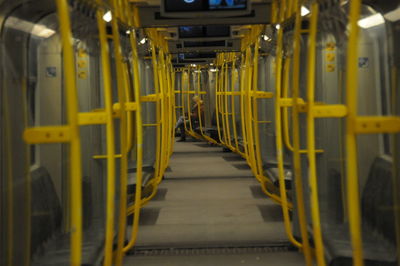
(378,228)
(51,246)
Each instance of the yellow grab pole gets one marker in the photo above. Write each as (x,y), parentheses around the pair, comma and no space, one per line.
(184,78)
(198,106)
(249,126)
(316,222)
(158,113)
(255,113)
(285,111)
(110,139)
(218,90)
(129,118)
(188,101)
(122,86)
(296,137)
(242,103)
(234,79)
(72,117)
(278,129)
(353,192)
(221,105)
(226,116)
(139,143)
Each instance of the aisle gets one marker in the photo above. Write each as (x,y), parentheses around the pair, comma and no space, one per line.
(209,201)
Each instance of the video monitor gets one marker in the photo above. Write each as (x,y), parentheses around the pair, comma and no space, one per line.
(204,8)
(186,32)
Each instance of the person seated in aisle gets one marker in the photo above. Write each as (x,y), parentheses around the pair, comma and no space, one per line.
(198,108)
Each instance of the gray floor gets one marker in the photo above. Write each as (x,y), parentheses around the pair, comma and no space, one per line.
(210,199)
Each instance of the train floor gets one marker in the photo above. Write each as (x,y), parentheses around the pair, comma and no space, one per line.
(210,210)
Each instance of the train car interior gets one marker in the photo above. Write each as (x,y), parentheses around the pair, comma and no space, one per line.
(199,132)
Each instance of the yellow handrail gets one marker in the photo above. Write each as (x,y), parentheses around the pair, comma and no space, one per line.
(278,130)
(315,216)
(226,114)
(296,137)
(234,79)
(110,139)
(139,143)
(351,141)
(242,106)
(217,88)
(75,145)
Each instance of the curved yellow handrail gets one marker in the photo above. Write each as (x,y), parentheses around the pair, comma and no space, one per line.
(139,143)
(278,130)
(296,137)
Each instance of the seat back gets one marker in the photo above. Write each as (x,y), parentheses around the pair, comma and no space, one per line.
(46,208)
(377,198)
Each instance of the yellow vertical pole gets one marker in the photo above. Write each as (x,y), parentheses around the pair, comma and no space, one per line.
(242,105)
(188,100)
(122,91)
(249,111)
(257,146)
(353,200)
(278,130)
(198,106)
(139,146)
(296,137)
(217,108)
(110,140)
(75,144)
(227,123)
(184,79)
(285,111)
(316,223)
(233,112)
(221,101)
(158,113)
(129,118)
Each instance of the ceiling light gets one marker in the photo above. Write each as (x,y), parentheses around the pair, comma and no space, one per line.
(371,21)
(304,11)
(128,32)
(265,37)
(277,26)
(143,41)
(213,70)
(107,16)
(193,65)
(393,15)
(38,30)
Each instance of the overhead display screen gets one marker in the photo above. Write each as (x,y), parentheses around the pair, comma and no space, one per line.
(172,6)
(204,31)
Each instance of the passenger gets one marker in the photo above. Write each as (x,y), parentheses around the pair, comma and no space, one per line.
(180,124)
(194,115)
(196,111)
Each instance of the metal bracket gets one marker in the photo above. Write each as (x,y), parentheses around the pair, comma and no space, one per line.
(330,110)
(92,118)
(288,102)
(377,124)
(263,94)
(51,134)
(149,98)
